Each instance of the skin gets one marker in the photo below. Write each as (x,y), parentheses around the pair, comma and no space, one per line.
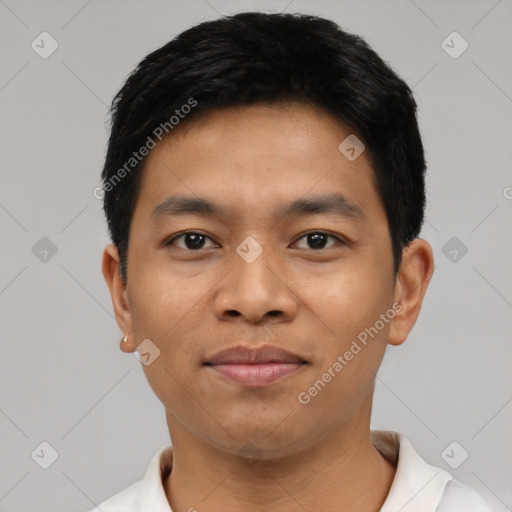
(314,302)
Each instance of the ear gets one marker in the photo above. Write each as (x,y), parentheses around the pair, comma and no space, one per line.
(411,284)
(118,291)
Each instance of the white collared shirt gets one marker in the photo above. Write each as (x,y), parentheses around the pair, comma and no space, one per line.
(417,486)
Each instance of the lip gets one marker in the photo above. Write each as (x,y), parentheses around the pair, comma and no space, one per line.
(255,367)
(243,354)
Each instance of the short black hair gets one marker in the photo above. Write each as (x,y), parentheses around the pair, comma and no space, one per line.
(266,58)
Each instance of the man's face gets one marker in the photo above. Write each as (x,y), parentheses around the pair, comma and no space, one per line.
(310,295)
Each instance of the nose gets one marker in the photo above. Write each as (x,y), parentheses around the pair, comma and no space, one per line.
(255,292)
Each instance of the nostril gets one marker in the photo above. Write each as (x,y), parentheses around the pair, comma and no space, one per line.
(233,312)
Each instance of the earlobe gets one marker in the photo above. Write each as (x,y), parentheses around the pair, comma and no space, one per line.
(127,344)
(112,275)
(411,285)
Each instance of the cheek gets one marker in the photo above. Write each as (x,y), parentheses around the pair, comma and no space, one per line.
(344,303)
(346,307)
(161,298)
(168,308)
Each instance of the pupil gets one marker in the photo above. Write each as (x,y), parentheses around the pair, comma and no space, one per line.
(194,241)
(317,240)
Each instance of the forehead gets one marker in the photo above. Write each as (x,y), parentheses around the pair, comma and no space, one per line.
(251,156)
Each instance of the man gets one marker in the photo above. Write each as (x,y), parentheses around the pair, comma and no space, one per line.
(264,191)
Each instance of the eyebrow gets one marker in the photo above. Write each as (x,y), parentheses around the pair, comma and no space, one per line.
(335,203)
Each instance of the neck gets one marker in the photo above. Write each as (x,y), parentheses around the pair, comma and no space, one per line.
(341,471)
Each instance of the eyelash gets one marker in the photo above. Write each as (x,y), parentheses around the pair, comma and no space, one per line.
(179,235)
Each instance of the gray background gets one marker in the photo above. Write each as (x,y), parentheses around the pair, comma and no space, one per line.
(64,380)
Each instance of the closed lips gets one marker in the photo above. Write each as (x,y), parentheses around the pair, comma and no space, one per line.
(246,355)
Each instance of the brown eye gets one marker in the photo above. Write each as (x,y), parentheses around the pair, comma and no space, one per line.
(318,240)
(190,241)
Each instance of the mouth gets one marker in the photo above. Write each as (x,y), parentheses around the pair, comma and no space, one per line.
(255,367)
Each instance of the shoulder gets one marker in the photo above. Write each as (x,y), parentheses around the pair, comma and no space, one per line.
(458,496)
(420,486)
(123,501)
(146,494)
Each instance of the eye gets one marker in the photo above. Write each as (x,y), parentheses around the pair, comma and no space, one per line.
(318,240)
(191,240)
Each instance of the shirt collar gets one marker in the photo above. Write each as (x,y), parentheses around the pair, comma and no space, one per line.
(152,496)
(417,486)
